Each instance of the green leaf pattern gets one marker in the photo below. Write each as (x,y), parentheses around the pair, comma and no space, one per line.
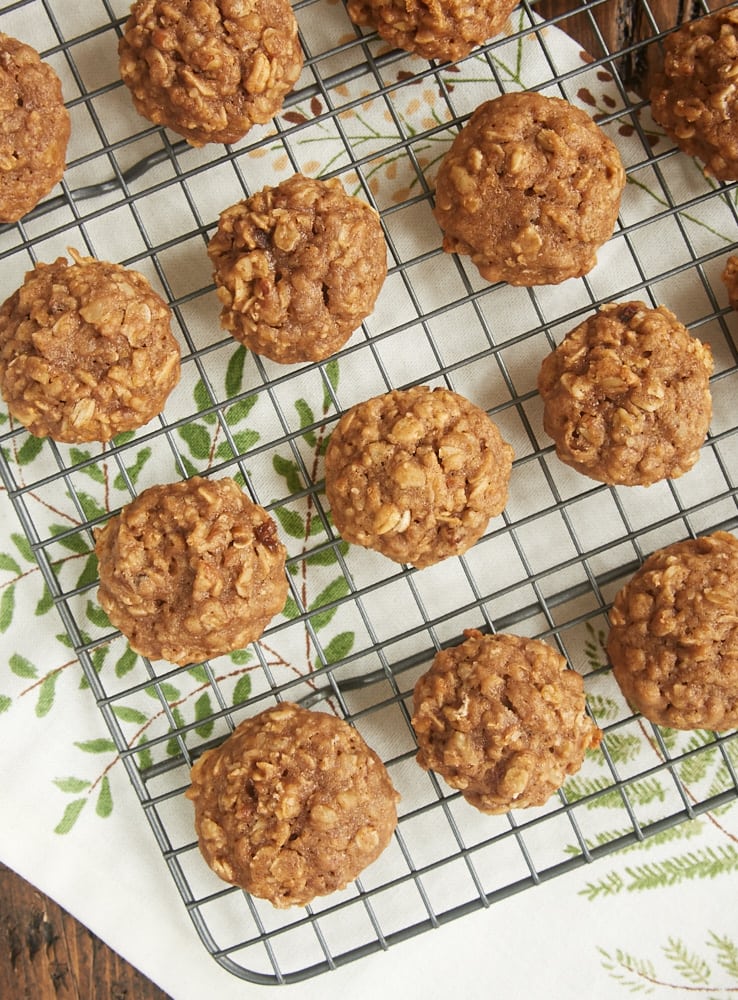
(685,972)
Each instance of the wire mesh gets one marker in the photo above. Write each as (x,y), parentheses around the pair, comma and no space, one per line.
(358,630)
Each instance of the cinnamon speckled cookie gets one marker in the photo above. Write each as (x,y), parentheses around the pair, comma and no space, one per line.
(293,805)
(416,474)
(298,267)
(34,129)
(502,718)
(673,640)
(695,95)
(210,70)
(434,29)
(86,350)
(190,570)
(529,190)
(626,395)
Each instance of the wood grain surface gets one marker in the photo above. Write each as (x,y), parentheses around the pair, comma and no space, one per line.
(44,953)
(47,955)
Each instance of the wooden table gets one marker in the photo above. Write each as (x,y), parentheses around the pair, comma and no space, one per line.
(44,953)
(47,955)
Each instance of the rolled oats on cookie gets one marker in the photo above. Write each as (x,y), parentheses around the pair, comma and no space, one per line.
(190,570)
(529,190)
(293,805)
(694,96)
(416,474)
(502,718)
(34,129)
(298,267)
(86,350)
(626,395)
(210,69)
(444,29)
(673,640)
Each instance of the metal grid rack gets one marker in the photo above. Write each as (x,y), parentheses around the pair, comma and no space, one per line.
(358,630)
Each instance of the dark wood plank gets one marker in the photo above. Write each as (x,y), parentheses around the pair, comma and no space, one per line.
(618,26)
(45,954)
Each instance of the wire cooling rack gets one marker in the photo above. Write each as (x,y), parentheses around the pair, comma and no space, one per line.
(357,630)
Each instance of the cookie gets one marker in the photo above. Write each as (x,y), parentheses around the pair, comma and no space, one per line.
(298,267)
(210,70)
(694,96)
(730,278)
(626,395)
(673,639)
(416,474)
(86,350)
(293,805)
(502,719)
(190,570)
(34,129)
(529,190)
(446,29)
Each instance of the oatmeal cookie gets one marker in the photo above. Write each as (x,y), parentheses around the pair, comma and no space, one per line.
(435,29)
(210,69)
(530,190)
(190,570)
(416,474)
(694,97)
(730,278)
(673,640)
(626,395)
(502,718)
(34,129)
(298,267)
(293,805)
(86,350)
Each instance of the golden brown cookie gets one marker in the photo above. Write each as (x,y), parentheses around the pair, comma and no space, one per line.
(730,278)
(673,640)
(416,474)
(298,267)
(626,395)
(34,129)
(210,70)
(435,29)
(292,806)
(695,95)
(530,190)
(190,570)
(86,350)
(502,718)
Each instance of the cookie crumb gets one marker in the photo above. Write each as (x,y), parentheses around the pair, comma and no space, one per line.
(730,279)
